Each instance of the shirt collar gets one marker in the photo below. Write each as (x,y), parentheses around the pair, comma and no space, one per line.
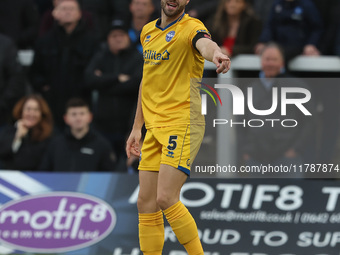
(158,23)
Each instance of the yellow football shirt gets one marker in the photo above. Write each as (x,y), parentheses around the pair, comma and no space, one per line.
(170,63)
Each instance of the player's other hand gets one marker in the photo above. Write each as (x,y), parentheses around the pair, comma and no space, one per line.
(221,61)
(132,144)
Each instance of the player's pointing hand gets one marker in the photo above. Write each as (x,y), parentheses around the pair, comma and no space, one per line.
(221,61)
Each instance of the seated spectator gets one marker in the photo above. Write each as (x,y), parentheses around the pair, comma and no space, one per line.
(115,72)
(19,20)
(22,145)
(60,59)
(48,21)
(12,83)
(294,24)
(141,11)
(235,27)
(79,148)
(276,144)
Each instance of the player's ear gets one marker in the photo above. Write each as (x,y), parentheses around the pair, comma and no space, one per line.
(187,2)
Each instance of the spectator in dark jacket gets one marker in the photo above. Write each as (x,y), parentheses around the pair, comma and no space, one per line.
(19,20)
(235,27)
(274,143)
(12,84)
(80,148)
(61,57)
(294,24)
(22,145)
(115,72)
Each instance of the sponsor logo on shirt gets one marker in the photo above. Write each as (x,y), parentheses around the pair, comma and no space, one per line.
(154,55)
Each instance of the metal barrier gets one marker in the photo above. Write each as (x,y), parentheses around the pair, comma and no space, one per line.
(300,63)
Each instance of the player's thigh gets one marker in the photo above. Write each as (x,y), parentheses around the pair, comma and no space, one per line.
(196,138)
(151,153)
(170,182)
(147,196)
(180,145)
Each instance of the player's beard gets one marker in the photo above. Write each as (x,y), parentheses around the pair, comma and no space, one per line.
(179,10)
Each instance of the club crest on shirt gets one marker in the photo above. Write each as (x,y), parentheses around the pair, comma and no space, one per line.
(169,36)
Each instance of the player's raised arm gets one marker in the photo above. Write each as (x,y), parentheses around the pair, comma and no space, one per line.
(132,144)
(211,52)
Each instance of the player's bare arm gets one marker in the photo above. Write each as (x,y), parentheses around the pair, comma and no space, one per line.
(211,52)
(132,144)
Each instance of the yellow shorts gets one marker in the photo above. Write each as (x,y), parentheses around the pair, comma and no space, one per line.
(175,146)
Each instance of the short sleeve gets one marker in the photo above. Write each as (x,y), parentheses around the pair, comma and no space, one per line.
(197,27)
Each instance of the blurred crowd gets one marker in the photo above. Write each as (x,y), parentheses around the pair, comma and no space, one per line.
(72,109)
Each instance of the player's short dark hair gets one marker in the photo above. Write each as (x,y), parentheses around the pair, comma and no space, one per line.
(76,102)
